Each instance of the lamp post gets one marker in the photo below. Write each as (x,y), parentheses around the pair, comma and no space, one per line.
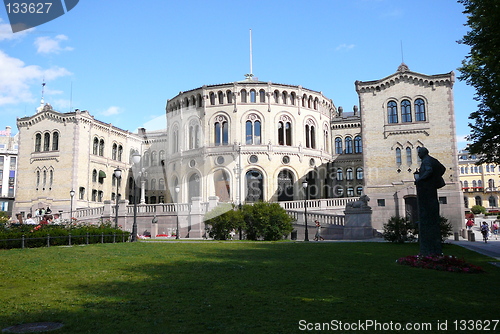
(306,234)
(118,175)
(71,194)
(136,159)
(177,189)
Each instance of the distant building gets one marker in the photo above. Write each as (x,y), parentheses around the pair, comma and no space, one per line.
(479,183)
(8,169)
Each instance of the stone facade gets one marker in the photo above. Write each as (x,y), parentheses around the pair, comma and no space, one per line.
(400,113)
(8,169)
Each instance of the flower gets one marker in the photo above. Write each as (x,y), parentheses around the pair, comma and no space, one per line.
(440,262)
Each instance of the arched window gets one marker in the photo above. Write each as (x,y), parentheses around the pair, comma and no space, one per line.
(221,97)
(161,184)
(120,152)
(420,110)
(154,158)
(276,96)
(310,134)
(349,174)
(51,178)
(292,98)
(359,190)
(253,130)
(474,184)
(221,131)
(162,157)
(316,102)
(262,95)
(153,184)
(95,147)
(38,142)
(350,192)
(37,179)
(478,199)
(145,159)
(229,95)
(491,184)
(194,186)
(101,147)
(253,96)
(358,145)
(175,140)
(338,145)
(114,151)
(348,145)
(285,131)
(55,141)
(405,111)
(284,97)
(254,186)
(94,175)
(359,173)
(466,184)
(212,98)
(392,112)
(340,174)
(285,185)
(326,138)
(222,185)
(408,156)
(199,100)
(304,100)
(243,96)
(46,141)
(492,201)
(398,156)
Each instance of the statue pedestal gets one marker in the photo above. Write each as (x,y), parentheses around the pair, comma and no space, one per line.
(358,224)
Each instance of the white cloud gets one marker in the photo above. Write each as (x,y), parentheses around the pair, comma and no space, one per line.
(345,47)
(47,45)
(156,123)
(16,78)
(113,110)
(6,33)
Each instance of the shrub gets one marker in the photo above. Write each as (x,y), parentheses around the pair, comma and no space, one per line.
(399,230)
(222,220)
(445,227)
(268,221)
(477,209)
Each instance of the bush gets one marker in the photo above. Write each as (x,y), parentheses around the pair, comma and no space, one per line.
(399,230)
(268,221)
(478,209)
(445,227)
(222,220)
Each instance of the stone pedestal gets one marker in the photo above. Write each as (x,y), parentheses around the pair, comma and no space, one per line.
(358,224)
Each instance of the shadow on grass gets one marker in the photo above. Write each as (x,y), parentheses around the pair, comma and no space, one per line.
(258,288)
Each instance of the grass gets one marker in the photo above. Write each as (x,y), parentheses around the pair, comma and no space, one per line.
(230,287)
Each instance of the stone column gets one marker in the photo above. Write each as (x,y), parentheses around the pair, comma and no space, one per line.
(358,223)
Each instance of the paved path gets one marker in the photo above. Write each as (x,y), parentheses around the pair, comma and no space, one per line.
(491,248)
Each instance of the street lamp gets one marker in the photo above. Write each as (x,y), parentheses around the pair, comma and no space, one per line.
(177,189)
(118,175)
(136,160)
(306,234)
(71,194)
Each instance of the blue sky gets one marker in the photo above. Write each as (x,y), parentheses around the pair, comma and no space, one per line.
(122,60)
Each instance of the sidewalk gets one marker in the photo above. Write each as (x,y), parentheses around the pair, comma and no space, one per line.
(491,249)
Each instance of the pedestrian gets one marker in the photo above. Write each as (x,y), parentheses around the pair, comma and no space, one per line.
(484,231)
(29,219)
(469,223)
(318,231)
(48,211)
(494,229)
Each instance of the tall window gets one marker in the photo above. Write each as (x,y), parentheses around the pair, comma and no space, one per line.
(310,135)
(120,152)
(276,96)
(55,141)
(221,97)
(398,156)
(408,156)
(359,173)
(114,151)
(95,146)
(46,141)
(284,97)
(193,140)
(229,95)
(101,147)
(253,130)
(292,99)
(243,96)
(262,96)
(348,145)
(285,131)
(406,111)
(358,145)
(212,98)
(253,96)
(338,145)
(340,174)
(221,131)
(349,174)
(326,138)
(38,142)
(254,186)
(392,112)
(419,110)
(175,140)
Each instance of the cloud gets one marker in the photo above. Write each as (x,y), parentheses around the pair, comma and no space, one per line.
(48,45)
(156,123)
(345,47)
(113,110)
(6,33)
(16,78)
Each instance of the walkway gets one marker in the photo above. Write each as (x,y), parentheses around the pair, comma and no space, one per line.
(492,248)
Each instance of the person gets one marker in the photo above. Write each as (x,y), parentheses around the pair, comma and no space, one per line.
(484,231)
(318,231)
(494,229)
(57,219)
(29,219)
(47,219)
(469,223)
(48,211)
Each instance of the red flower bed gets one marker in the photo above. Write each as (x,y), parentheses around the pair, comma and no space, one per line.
(440,262)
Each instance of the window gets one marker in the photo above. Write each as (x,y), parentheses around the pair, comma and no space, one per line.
(94,175)
(175,140)
(284,97)
(443,200)
(292,99)
(276,96)
(348,145)
(359,173)
(466,184)
(194,141)
(358,145)
(310,135)
(120,152)
(359,191)
(55,141)
(349,174)
(95,147)
(419,110)
(229,95)
(262,95)
(478,200)
(492,201)
(253,96)
(340,174)
(212,98)
(392,112)
(81,193)
(285,131)
(154,158)
(221,131)
(114,151)
(381,202)
(101,147)
(221,97)
(94,195)
(37,179)
(243,96)
(350,192)
(38,142)
(326,143)
(491,183)
(46,141)
(398,156)
(406,111)
(253,130)
(408,156)
(338,145)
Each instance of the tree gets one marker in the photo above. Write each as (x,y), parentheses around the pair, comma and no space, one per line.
(481,70)
(268,221)
(222,220)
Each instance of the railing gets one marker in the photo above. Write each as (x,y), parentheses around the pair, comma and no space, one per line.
(318,204)
(323,218)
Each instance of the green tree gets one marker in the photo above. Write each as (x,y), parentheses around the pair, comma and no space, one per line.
(481,70)
(399,230)
(222,220)
(268,221)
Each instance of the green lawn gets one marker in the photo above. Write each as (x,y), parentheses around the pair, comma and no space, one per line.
(236,287)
